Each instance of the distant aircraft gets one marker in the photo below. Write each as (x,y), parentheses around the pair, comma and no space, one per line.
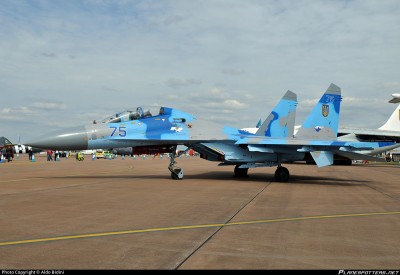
(17,148)
(5,142)
(163,129)
(388,131)
(24,149)
(395,99)
(6,150)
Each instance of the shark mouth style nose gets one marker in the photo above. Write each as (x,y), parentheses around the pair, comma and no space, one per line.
(68,139)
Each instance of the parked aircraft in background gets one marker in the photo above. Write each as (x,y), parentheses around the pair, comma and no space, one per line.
(395,99)
(17,148)
(6,151)
(388,131)
(24,149)
(162,130)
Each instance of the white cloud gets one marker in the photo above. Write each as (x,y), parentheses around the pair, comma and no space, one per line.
(181,82)
(44,105)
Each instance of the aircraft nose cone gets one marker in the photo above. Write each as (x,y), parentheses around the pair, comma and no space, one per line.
(68,139)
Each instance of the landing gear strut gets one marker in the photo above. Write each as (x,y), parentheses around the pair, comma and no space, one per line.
(176,172)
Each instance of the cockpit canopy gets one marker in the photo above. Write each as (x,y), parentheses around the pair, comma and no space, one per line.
(138,113)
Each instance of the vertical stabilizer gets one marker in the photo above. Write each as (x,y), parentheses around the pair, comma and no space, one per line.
(280,122)
(393,123)
(323,121)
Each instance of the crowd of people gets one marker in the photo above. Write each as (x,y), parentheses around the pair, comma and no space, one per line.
(7,154)
(57,154)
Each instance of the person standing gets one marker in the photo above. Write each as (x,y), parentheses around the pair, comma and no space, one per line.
(49,153)
(30,153)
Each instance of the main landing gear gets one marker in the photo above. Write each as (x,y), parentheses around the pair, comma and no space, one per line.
(240,172)
(176,172)
(281,174)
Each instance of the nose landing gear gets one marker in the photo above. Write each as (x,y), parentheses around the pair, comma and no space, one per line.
(176,172)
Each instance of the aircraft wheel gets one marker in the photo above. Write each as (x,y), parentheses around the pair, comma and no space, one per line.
(240,172)
(177,174)
(282,174)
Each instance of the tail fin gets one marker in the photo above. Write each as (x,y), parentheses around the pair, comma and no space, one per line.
(393,123)
(258,124)
(323,121)
(280,122)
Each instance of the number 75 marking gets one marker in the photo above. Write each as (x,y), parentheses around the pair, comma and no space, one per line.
(121,131)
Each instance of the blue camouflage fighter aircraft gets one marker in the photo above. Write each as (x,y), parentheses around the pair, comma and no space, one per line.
(161,130)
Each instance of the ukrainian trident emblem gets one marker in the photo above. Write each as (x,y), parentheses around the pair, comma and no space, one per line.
(325,110)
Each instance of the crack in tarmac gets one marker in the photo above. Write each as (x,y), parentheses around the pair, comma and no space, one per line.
(222,226)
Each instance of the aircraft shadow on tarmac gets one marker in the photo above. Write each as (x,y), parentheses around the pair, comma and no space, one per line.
(318,180)
(269,178)
(228,176)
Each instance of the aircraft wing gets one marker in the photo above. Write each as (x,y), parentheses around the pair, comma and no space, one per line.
(371,133)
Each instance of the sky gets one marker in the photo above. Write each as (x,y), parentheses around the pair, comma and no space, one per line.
(66,63)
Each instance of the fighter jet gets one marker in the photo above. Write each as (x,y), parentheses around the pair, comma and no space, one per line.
(162,130)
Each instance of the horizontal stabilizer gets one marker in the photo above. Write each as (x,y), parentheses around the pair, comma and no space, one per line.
(383,149)
(322,158)
(357,156)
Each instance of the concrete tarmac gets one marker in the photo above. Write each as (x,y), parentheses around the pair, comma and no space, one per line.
(129,214)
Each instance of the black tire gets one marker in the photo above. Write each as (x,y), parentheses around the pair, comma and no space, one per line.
(282,174)
(175,176)
(240,172)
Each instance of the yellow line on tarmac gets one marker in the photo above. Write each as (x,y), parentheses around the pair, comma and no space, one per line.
(3,181)
(161,229)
